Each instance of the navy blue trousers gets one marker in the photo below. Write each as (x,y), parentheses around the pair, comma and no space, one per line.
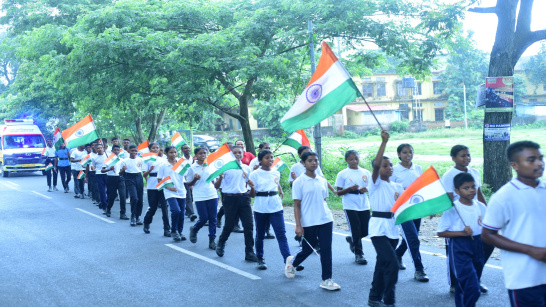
(207,210)
(323,235)
(466,259)
(101,181)
(528,297)
(276,219)
(177,206)
(410,233)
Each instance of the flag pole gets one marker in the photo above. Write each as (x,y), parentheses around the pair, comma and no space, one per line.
(317,132)
(371,110)
(464,224)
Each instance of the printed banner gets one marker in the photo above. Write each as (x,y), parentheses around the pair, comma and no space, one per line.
(496,132)
(499,94)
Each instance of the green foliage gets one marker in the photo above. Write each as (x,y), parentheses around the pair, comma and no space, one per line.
(399,126)
(349,134)
(269,114)
(535,68)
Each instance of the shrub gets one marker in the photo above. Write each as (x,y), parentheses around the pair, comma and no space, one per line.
(350,135)
(399,126)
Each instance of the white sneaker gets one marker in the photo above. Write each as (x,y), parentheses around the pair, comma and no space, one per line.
(289,270)
(330,285)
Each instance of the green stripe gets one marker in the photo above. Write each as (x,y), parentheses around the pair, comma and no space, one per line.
(426,208)
(184,169)
(168,184)
(292,143)
(344,94)
(81,141)
(182,143)
(58,143)
(229,165)
(281,168)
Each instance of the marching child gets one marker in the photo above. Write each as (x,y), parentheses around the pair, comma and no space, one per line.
(382,230)
(131,169)
(97,165)
(175,195)
(268,206)
(351,183)
(76,158)
(115,184)
(156,199)
(186,150)
(518,210)
(461,225)
(205,196)
(314,220)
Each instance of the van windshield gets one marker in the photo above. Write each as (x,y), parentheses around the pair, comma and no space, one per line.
(23,141)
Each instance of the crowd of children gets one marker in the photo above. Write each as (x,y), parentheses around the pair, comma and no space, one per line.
(512,221)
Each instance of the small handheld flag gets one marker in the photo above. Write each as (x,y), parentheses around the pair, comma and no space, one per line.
(149,157)
(181,167)
(49,167)
(57,138)
(278,165)
(177,141)
(297,139)
(220,161)
(123,154)
(143,147)
(86,160)
(166,182)
(111,160)
(81,175)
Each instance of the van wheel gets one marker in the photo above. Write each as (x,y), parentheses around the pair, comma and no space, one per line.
(5,174)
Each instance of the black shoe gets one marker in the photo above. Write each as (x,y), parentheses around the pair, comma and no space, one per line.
(81,196)
(219,224)
(193,217)
(421,276)
(238,229)
(182,237)
(175,236)
(104,211)
(452,289)
(147,228)
(483,288)
(123,217)
(300,268)
(108,213)
(261,264)
(401,265)
(133,220)
(251,256)
(220,248)
(375,303)
(138,221)
(77,196)
(359,259)
(212,244)
(351,245)
(269,235)
(206,223)
(167,233)
(193,235)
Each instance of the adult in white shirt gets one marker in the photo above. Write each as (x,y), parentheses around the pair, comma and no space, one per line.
(76,157)
(156,199)
(131,169)
(115,185)
(50,155)
(518,210)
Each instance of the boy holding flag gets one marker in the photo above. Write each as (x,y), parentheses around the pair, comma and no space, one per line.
(115,184)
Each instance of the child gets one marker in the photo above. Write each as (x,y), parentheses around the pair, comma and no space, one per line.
(314,220)
(132,173)
(268,206)
(236,204)
(186,150)
(155,198)
(254,164)
(351,183)
(97,165)
(115,184)
(404,173)
(461,226)
(382,230)
(205,196)
(518,211)
(76,158)
(62,164)
(175,195)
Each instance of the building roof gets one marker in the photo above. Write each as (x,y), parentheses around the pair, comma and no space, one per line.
(364,108)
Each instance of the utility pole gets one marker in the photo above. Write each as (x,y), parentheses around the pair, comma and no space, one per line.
(464,99)
(317,133)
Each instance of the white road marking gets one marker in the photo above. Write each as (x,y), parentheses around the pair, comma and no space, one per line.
(40,194)
(12,183)
(217,263)
(94,215)
(422,251)
(9,186)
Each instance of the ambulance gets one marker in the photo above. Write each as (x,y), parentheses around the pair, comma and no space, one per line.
(21,147)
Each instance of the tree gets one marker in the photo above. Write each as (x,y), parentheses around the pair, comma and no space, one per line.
(535,68)
(513,37)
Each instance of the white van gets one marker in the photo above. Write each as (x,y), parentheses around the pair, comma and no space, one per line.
(21,147)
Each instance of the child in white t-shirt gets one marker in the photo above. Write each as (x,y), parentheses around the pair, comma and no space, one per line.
(352,184)
(156,199)
(131,169)
(461,225)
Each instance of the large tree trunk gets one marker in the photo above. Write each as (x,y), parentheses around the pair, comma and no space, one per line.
(157,120)
(139,133)
(245,125)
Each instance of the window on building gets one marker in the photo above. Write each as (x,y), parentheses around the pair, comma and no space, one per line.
(400,89)
(367,90)
(380,90)
(380,79)
(366,80)
(436,88)
(231,124)
(417,90)
(439,115)
(533,100)
(260,124)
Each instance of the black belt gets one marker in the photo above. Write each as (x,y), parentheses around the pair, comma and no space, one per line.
(152,174)
(357,192)
(384,215)
(236,194)
(270,193)
(63,158)
(132,174)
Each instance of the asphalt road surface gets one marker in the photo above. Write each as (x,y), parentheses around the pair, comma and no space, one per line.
(56,250)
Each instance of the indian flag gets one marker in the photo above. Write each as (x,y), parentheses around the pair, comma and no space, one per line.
(143,148)
(297,139)
(49,167)
(86,160)
(278,165)
(425,196)
(177,141)
(81,175)
(83,132)
(220,161)
(111,160)
(330,89)
(57,138)
(181,166)
(123,154)
(149,156)
(166,182)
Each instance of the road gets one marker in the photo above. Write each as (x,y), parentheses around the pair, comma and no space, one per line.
(59,251)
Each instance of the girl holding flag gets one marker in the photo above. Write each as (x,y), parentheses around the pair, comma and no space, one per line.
(155,198)
(175,193)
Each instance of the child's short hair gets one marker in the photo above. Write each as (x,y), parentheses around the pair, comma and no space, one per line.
(152,144)
(167,148)
(114,139)
(262,145)
(455,150)
(263,153)
(132,146)
(517,147)
(237,147)
(384,158)
(115,146)
(104,140)
(462,178)
(126,140)
(308,154)
(302,148)
(198,149)
(351,152)
(401,147)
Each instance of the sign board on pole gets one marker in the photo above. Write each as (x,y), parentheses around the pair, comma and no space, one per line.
(499,94)
(496,132)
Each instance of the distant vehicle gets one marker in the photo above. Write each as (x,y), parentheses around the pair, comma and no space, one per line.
(21,147)
(206,141)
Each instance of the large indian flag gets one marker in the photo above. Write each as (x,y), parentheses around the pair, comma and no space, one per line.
(83,132)
(220,161)
(425,196)
(329,89)
(177,141)
(297,139)
(57,138)
(181,167)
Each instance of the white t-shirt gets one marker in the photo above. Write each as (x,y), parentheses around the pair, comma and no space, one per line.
(134,166)
(151,182)
(50,152)
(235,180)
(164,170)
(405,176)
(447,180)
(518,211)
(348,178)
(98,162)
(253,163)
(77,155)
(450,220)
(116,170)
(299,169)
(312,192)
(201,189)
(266,181)
(383,194)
